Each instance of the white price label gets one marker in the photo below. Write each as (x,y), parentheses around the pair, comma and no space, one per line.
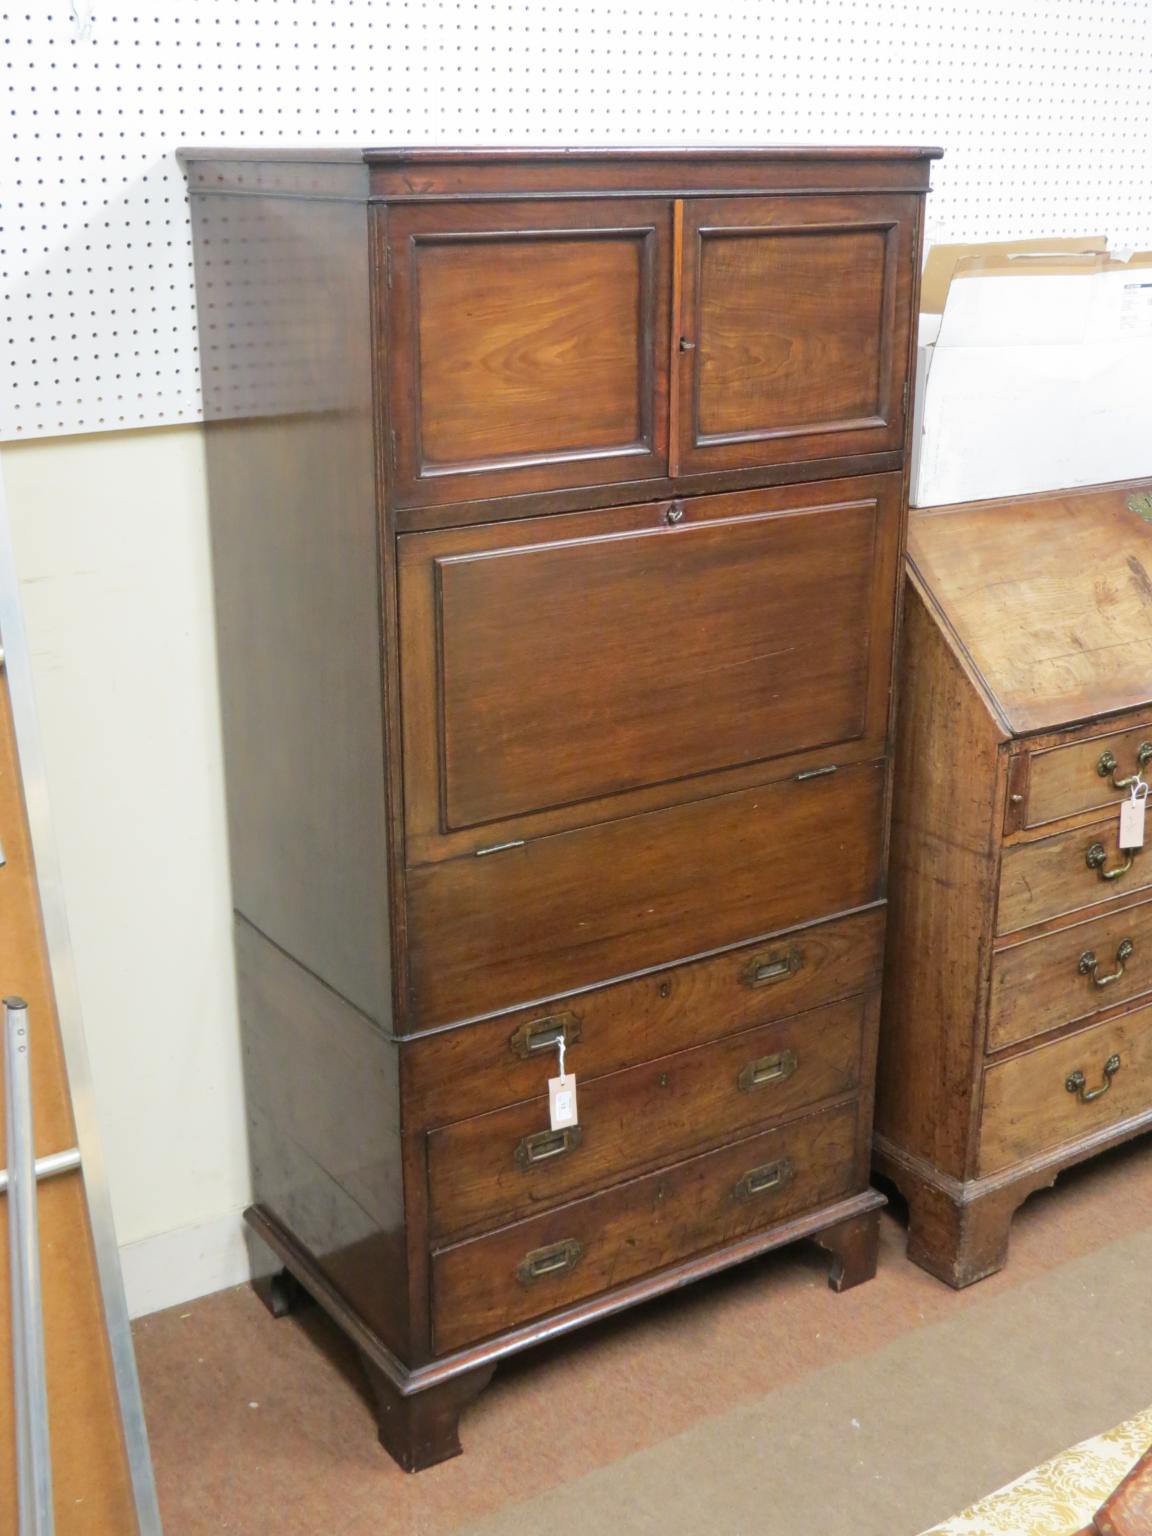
(562,1101)
(1132,823)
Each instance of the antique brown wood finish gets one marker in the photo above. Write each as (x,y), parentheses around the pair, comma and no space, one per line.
(453,1073)
(537,1266)
(795,317)
(557,523)
(1016,922)
(504,1165)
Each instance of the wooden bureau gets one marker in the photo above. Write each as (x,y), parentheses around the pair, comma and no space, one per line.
(558,505)
(1017,1022)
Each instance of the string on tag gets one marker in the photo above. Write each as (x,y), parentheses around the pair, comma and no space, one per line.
(562,1044)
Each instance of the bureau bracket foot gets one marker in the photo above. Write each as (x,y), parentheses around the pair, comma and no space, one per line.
(420,1429)
(854,1247)
(281,1292)
(958,1231)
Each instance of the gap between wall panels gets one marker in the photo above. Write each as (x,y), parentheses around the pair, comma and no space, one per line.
(1041,106)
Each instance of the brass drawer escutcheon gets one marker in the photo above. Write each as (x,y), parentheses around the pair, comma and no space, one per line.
(542,1034)
(763,1180)
(1075,1081)
(543,1146)
(1107,765)
(768,1069)
(763,970)
(1096,857)
(557,1259)
(1088,963)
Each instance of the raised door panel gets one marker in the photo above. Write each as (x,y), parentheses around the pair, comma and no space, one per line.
(558,673)
(528,346)
(795,328)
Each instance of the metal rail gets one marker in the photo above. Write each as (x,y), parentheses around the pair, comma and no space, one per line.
(30,1382)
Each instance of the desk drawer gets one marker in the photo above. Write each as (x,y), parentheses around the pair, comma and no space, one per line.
(1064,873)
(1069,974)
(1051,1095)
(580,1250)
(580,908)
(1067,780)
(458,1073)
(502,1166)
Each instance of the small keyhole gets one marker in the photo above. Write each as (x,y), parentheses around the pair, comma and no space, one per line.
(662,1080)
(674,514)
(665,989)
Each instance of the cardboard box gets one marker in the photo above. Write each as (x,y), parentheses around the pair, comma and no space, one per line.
(1037,375)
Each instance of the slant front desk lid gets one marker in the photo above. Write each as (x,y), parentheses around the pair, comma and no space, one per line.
(1049,597)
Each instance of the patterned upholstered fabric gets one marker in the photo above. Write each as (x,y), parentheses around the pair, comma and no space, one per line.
(1061,1497)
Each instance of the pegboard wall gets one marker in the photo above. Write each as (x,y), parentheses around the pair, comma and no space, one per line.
(1041,106)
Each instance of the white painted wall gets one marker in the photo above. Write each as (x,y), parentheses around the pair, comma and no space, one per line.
(111,547)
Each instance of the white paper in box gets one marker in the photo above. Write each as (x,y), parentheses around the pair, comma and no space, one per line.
(1036,380)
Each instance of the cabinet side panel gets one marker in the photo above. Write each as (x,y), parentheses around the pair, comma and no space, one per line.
(941,886)
(321,1083)
(283,297)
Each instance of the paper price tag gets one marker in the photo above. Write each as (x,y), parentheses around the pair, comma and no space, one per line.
(1132,821)
(562,1101)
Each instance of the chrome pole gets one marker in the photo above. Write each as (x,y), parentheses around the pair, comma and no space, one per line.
(33,1451)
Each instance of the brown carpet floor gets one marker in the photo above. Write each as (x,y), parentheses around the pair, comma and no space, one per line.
(757,1401)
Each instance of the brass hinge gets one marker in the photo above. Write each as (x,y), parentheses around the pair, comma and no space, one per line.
(392,446)
(904,405)
(388,266)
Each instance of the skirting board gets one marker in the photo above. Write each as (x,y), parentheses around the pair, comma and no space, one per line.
(174,1267)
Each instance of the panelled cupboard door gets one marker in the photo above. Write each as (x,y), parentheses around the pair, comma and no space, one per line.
(794,328)
(563,671)
(528,345)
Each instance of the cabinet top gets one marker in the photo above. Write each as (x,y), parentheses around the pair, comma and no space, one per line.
(1048,598)
(404,172)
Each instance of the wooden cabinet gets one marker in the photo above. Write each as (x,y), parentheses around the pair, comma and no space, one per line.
(556,582)
(1016,1015)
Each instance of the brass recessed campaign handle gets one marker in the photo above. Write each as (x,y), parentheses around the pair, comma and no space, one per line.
(763,970)
(1107,765)
(1095,859)
(768,1069)
(557,1259)
(1075,1081)
(1088,963)
(542,1146)
(543,1034)
(762,1181)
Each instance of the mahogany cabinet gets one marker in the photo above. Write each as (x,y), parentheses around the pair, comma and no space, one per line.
(1017,1019)
(558,508)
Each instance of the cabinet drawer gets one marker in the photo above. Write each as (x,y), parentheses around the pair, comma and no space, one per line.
(1081,776)
(502,1166)
(1064,873)
(1045,1097)
(581,907)
(534,1267)
(1043,983)
(463,1072)
(571,669)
